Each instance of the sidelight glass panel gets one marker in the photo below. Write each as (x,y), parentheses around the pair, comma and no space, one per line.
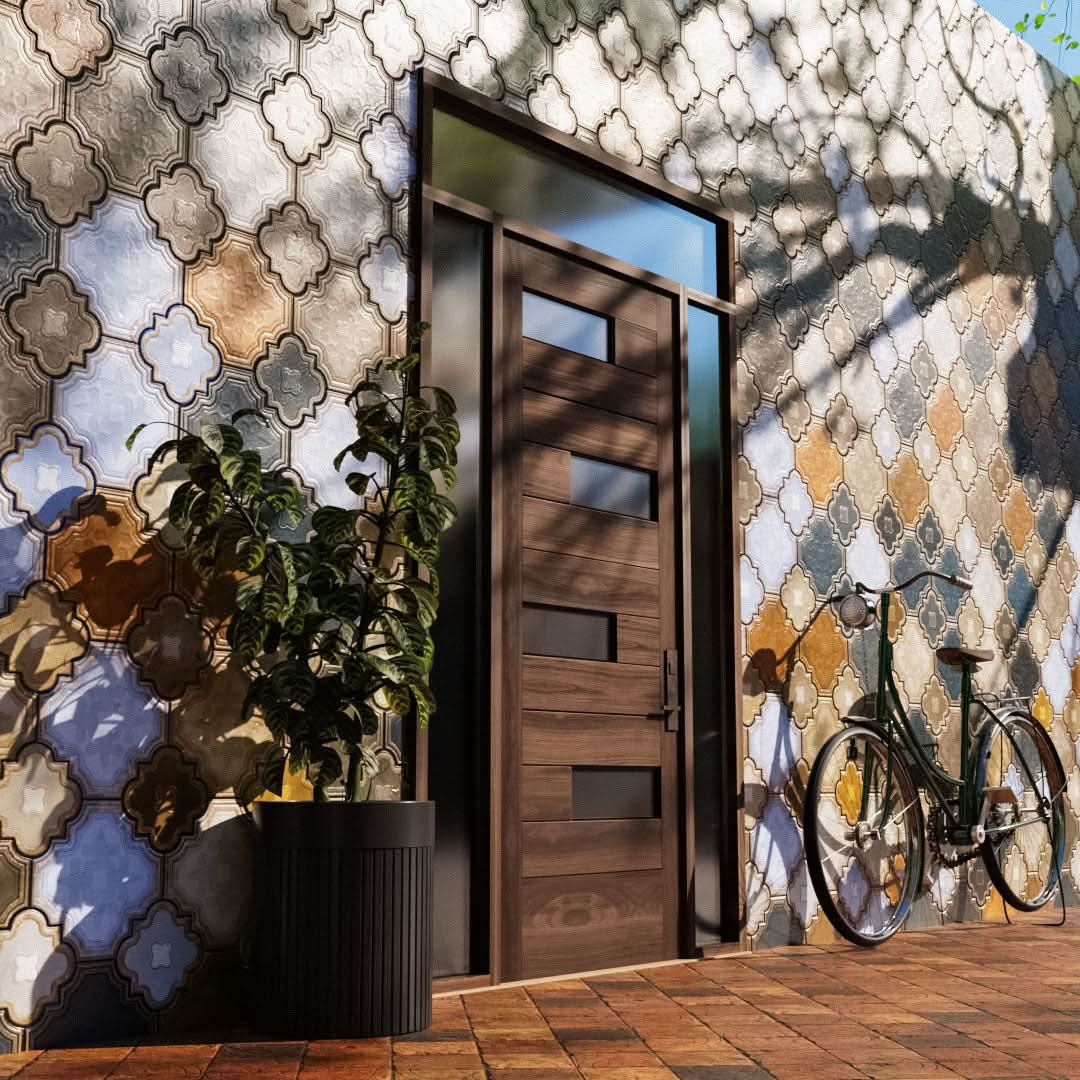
(459,677)
(565,326)
(716,842)
(618,489)
(580,635)
(605,215)
(614,793)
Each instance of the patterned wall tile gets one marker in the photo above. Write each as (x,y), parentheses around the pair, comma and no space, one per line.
(159,953)
(61,171)
(247,185)
(169,647)
(103,720)
(232,280)
(519,49)
(189,75)
(210,730)
(101,404)
(27,238)
(165,798)
(46,476)
(293,247)
(343,326)
(118,114)
(95,879)
(34,962)
(341,69)
(180,353)
(118,261)
(38,799)
(106,567)
(251,45)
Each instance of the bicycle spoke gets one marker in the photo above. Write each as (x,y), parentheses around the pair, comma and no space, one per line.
(864,835)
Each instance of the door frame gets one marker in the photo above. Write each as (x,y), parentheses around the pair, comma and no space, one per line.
(434,90)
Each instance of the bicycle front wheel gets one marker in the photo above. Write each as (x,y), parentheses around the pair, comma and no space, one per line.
(865,835)
(1021,780)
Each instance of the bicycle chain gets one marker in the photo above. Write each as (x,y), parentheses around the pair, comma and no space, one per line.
(932,835)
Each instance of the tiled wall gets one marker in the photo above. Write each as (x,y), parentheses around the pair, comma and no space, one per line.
(203,206)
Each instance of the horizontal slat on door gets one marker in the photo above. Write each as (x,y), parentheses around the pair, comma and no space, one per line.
(563,374)
(546,792)
(635,347)
(570,581)
(591,534)
(637,641)
(559,738)
(550,848)
(545,472)
(560,277)
(613,919)
(554,684)
(553,421)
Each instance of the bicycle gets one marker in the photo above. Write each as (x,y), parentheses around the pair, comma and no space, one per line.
(865,830)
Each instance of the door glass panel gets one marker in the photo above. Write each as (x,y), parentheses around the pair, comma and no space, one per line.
(617,219)
(614,793)
(581,635)
(615,488)
(459,675)
(716,844)
(564,325)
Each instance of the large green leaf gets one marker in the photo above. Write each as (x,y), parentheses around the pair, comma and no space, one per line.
(222,438)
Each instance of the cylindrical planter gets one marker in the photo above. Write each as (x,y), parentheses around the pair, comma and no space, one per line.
(344,944)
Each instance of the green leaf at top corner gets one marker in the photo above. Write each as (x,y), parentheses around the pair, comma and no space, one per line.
(133,436)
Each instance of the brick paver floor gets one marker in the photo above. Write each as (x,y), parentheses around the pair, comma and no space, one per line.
(978,1001)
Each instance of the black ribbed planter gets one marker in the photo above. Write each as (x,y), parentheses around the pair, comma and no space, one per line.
(344,944)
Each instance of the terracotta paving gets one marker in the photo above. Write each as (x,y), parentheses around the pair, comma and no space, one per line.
(975,1001)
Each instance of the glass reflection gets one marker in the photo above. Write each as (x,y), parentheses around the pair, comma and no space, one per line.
(617,489)
(578,635)
(564,326)
(459,784)
(614,218)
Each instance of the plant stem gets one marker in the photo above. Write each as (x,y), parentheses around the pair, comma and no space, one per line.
(352,777)
(384,524)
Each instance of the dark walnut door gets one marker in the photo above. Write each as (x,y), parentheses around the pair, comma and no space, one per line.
(584,568)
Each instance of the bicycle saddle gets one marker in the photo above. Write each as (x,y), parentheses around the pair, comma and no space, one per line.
(958,656)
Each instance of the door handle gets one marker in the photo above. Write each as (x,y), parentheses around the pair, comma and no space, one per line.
(669,690)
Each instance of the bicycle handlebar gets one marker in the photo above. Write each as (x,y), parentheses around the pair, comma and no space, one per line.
(855,613)
(951,579)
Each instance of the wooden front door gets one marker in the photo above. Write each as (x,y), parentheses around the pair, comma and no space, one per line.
(584,556)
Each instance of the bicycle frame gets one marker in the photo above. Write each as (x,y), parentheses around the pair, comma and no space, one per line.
(942,786)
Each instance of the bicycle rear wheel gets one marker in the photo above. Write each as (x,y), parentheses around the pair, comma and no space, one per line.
(1020,773)
(865,835)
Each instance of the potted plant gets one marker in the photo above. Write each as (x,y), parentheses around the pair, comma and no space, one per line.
(334,629)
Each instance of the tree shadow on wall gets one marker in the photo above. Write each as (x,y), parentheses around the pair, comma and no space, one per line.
(994,251)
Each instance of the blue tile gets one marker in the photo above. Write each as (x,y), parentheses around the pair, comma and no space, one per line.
(47,478)
(180,353)
(103,720)
(102,403)
(96,879)
(20,550)
(820,554)
(115,258)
